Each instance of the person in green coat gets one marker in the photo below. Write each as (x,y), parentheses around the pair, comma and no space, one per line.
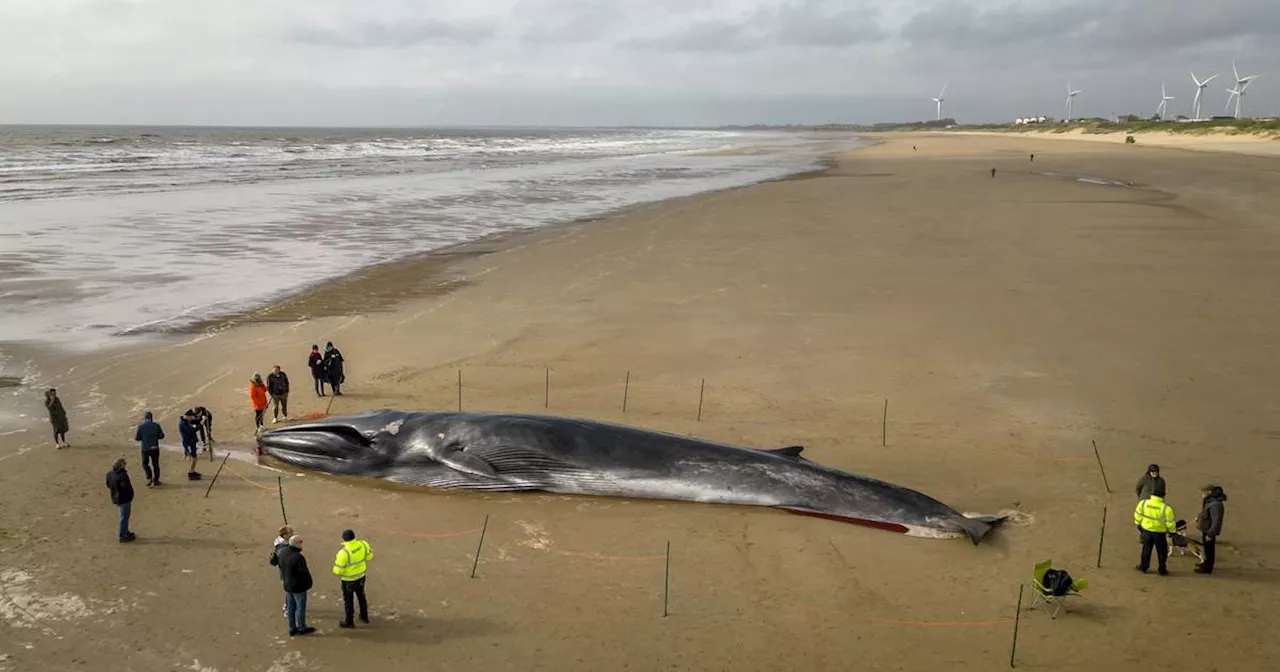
(57,418)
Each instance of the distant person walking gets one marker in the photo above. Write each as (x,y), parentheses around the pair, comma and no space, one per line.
(1209,522)
(148,435)
(257,399)
(297,581)
(350,565)
(316,362)
(204,425)
(1155,519)
(190,442)
(278,387)
(333,368)
(122,496)
(57,418)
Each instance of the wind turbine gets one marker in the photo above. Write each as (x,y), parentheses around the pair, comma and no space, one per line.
(1242,83)
(939,100)
(1200,92)
(1071,95)
(1164,102)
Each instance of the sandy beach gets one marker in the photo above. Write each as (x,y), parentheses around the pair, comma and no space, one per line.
(1097,294)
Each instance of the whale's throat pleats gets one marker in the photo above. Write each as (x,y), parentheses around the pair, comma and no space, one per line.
(502,466)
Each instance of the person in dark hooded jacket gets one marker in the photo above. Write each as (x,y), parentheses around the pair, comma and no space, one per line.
(1209,522)
(297,581)
(333,368)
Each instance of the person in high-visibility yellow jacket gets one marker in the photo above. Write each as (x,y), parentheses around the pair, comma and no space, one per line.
(350,565)
(1155,520)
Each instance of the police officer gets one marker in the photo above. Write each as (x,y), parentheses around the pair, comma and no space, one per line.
(350,565)
(1155,520)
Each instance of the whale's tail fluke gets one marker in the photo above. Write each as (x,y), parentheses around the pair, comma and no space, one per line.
(977,527)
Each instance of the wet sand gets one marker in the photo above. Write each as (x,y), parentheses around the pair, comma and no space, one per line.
(1009,321)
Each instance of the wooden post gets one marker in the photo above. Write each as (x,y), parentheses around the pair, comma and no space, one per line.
(626,386)
(215,474)
(1100,467)
(666,582)
(1017,617)
(701,392)
(459,389)
(546,393)
(478,546)
(884,425)
(1102,533)
(280,489)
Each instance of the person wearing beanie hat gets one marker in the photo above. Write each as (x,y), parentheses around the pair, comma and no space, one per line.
(1148,481)
(350,565)
(258,399)
(1155,520)
(1209,522)
(148,435)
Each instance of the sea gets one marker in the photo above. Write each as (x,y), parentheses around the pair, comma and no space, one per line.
(111,232)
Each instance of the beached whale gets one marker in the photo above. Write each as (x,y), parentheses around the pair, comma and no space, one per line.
(507,452)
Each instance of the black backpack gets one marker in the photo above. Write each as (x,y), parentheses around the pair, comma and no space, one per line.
(1057,582)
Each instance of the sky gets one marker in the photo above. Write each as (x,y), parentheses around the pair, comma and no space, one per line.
(621,62)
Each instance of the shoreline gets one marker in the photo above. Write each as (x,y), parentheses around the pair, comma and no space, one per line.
(1000,324)
(430,269)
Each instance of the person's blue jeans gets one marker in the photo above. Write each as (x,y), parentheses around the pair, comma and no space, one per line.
(295,607)
(125,510)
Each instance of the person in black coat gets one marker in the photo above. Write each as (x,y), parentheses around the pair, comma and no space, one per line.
(333,368)
(1209,523)
(297,581)
(122,496)
(57,418)
(316,361)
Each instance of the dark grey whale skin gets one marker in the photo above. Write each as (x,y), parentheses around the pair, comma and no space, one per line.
(511,452)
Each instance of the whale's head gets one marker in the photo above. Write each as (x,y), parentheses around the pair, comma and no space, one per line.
(361,444)
(426,448)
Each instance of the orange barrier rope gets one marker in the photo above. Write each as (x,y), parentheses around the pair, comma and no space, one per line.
(436,535)
(250,482)
(602,556)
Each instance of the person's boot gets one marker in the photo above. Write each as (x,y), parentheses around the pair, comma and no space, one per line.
(346,624)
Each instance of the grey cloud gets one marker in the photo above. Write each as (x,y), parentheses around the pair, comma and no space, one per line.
(388,35)
(1139,29)
(806,23)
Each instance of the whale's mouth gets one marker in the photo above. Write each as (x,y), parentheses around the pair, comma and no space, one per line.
(327,446)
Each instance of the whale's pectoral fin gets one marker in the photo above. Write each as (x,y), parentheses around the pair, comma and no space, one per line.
(508,463)
(469,463)
(792,452)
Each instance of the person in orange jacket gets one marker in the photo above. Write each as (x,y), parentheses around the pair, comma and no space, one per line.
(258,398)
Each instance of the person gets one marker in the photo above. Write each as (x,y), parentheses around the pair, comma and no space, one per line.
(204,425)
(1147,484)
(258,399)
(1156,520)
(57,418)
(993,172)
(122,496)
(1209,522)
(333,368)
(278,387)
(350,566)
(316,362)
(296,578)
(281,540)
(190,447)
(148,436)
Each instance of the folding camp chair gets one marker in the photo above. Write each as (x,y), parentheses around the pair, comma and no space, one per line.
(1052,603)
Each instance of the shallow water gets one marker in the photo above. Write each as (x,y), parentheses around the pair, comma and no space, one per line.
(106,232)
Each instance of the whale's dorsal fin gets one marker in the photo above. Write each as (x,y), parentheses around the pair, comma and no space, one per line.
(790,451)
